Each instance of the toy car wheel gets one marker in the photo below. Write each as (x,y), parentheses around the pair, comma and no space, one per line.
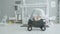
(43,28)
(29,28)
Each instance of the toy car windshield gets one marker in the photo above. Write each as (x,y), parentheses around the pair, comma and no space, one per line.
(36,15)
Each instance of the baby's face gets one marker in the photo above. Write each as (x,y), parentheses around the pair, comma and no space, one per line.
(37,18)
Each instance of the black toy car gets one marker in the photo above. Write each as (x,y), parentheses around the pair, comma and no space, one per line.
(36,21)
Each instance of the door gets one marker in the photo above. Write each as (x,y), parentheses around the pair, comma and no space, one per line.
(59,11)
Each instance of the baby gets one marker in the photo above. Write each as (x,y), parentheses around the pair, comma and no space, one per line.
(36,18)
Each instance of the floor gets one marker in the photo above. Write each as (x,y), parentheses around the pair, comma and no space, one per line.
(16,29)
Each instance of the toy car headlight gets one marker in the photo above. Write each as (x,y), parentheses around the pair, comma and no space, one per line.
(44,20)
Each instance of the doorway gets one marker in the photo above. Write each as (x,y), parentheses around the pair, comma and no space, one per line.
(58,12)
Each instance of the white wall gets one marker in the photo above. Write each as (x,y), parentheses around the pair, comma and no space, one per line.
(7,8)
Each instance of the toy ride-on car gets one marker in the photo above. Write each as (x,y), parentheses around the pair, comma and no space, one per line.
(36,20)
(36,23)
